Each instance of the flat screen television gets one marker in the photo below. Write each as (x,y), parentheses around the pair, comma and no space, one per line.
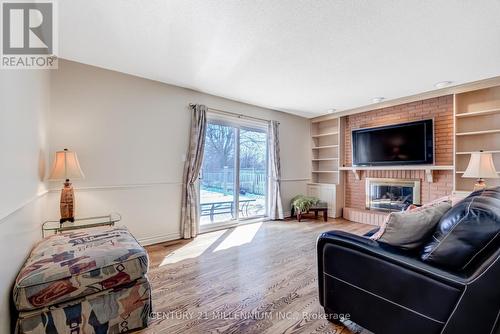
(401,144)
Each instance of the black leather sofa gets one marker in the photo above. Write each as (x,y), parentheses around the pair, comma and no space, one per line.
(388,290)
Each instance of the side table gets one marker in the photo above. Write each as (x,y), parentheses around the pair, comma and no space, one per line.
(54,226)
(320,207)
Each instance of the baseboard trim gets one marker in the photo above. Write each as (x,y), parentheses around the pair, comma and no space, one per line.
(146,241)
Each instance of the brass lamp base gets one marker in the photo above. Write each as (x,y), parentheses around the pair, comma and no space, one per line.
(479,185)
(67,205)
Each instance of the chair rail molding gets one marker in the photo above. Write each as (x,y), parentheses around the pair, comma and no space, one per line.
(25,204)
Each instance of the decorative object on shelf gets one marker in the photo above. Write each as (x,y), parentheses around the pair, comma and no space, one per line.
(66,167)
(480,167)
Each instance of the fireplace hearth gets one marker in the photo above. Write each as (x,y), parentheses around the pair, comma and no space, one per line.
(391,194)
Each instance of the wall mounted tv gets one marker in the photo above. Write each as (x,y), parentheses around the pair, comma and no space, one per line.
(400,144)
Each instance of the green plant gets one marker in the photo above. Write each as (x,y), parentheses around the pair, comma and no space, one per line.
(303,203)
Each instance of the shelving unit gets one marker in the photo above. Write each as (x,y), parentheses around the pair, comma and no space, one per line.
(325,134)
(462,171)
(326,159)
(325,176)
(469,152)
(325,139)
(326,146)
(477,127)
(479,113)
(475,133)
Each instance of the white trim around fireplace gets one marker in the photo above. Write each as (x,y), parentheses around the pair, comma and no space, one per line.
(413,183)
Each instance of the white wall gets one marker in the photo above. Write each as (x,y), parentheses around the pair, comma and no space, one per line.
(24,102)
(130,134)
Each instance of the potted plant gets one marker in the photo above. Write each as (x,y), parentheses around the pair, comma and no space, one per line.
(302,204)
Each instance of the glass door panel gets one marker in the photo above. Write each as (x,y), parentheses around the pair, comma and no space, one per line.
(217,186)
(252,173)
(233,178)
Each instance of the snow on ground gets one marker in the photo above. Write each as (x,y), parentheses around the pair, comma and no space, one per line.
(256,207)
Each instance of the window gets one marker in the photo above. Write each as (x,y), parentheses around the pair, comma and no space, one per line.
(233,180)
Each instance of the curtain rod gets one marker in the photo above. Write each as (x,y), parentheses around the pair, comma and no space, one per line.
(234,114)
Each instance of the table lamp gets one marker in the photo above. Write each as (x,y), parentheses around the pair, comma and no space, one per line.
(480,167)
(66,167)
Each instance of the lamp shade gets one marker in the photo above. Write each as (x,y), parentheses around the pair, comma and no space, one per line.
(66,166)
(481,166)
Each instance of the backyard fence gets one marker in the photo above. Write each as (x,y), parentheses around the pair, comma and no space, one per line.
(251,180)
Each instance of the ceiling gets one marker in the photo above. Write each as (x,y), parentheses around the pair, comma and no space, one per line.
(297,56)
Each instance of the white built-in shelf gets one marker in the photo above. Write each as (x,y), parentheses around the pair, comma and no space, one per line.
(427,168)
(473,133)
(326,159)
(326,146)
(462,171)
(477,117)
(325,171)
(470,152)
(325,134)
(478,113)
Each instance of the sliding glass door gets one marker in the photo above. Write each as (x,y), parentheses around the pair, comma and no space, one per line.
(252,172)
(233,180)
(217,187)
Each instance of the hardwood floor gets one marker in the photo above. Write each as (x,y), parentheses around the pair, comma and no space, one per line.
(256,278)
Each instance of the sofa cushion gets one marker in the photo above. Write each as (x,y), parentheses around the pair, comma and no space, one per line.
(466,231)
(412,207)
(75,264)
(411,229)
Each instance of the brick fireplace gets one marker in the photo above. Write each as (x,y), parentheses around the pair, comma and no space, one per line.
(441,110)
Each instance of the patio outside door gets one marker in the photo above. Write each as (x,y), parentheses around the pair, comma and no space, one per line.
(233,180)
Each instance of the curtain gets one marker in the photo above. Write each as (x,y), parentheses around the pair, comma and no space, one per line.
(192,166)
(275,205)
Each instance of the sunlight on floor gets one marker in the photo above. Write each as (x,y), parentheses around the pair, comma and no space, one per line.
(223,239)
(239,236)
(194,249)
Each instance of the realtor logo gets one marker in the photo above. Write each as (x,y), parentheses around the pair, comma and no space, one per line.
(28,35)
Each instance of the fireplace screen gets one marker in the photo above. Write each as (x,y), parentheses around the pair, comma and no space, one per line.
(391,194)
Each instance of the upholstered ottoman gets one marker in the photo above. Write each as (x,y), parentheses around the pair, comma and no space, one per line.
(87,281)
